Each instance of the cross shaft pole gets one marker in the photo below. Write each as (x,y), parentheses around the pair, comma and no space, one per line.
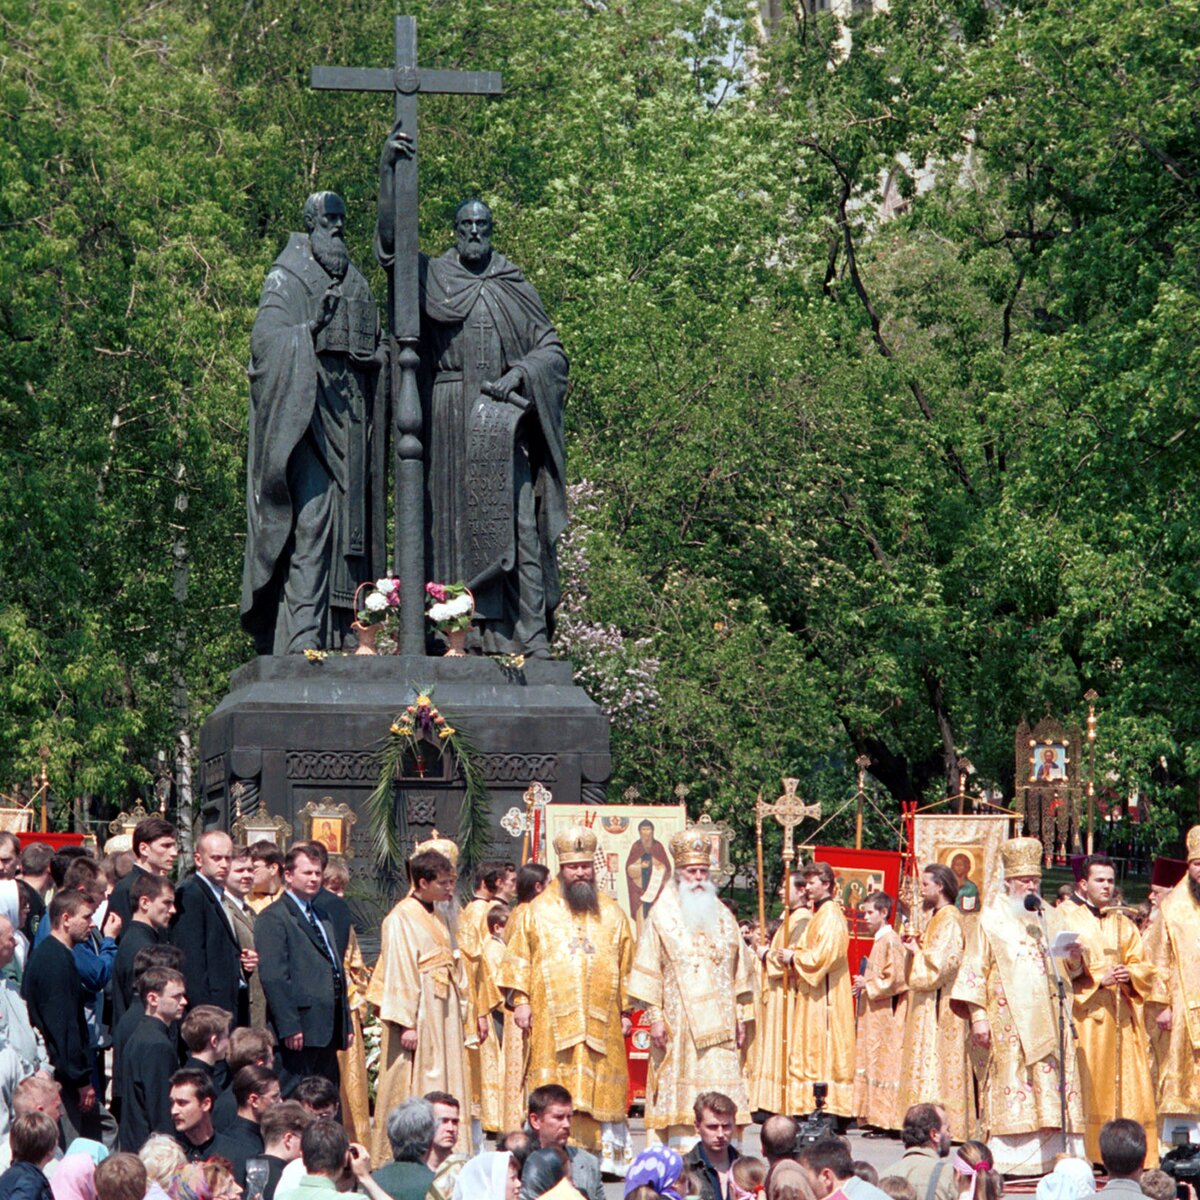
(405,80)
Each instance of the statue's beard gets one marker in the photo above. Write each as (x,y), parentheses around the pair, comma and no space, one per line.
(474,251)
(581,896)
(699,905)
(329,249)
(1194,888)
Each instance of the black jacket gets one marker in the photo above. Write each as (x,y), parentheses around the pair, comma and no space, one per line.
(305,990)
(138,934)
(696,1160)
(202,930)
(239,1141)
(24,1181)
(54,996)
(119,900)
(149,1060)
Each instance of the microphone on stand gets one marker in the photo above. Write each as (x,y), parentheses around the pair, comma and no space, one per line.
(1033,903)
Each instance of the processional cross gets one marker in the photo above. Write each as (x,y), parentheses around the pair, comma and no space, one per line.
(405,80)
(789,810)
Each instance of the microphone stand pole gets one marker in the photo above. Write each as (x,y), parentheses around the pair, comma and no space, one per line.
(1063,1021)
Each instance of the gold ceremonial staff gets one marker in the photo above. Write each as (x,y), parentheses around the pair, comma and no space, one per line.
(789,810)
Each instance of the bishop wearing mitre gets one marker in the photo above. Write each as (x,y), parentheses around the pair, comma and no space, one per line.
(420,988)
(565,974)
(1006,988)
(693,973)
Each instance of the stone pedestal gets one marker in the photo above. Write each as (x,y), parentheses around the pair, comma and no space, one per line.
(291,731)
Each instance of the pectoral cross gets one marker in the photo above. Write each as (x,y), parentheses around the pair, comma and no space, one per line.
(789,810)
(581,942)
(405,80)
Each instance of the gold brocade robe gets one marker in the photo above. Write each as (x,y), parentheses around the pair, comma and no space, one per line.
(935,1067)
(573,970)
(352,1062)
(419,983)
(1174,946)
(764,1067)
(472,931)
(1007,976)
(882,1004)
(696,981)
(489,1002)
(1109,941)
(821,1046)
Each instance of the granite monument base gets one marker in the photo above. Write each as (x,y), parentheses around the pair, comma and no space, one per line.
(290,732)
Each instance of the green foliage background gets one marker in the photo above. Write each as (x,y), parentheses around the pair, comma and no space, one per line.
(868,485)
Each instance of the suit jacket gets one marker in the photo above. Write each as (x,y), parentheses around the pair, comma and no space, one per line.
(138,934)
(338,912)
(305,991)
(144,1083)
(201,929)
(243,925)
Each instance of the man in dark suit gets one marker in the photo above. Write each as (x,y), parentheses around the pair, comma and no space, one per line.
(204,931)
(155,849)
(332,905)
(256,1089)
(151,1057)
(301,971)
(153,901)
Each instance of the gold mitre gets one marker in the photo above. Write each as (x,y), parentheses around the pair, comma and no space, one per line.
(1193,842)
(691,848)
(575,844)
(1021,857)
(443,846)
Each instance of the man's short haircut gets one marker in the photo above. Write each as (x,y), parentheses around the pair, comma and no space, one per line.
(497,918)
(716,1103)
(827,1153)
(336,868)
(36,858)
(519,1144)
(10,839)
(442,1098)
(428,864)
(62,860)
(898,1188)
(267,852)
(33,1138)
(1094,860)
(202,1024)
(81,874)
(157,978)
(529,878)
(542,1097)
(818,870)
(241,854)
(150,830)
(292,857)
(161,955)
(199,1081)
(319,851)
(1065,891)
(32,1092)
(1158,1185)
(289,1116)
(67,904)
(920,1122)
(410,1129)
(247,1045)
(779,1136)
(880,902)
(866,1172)
(324,1146)
(252,1080)
(1122,1147)
(315,1091)
(944,878)
(120,1177)
(491,875)
(148,887)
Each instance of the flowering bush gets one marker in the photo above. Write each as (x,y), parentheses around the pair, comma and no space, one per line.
(382,598)
(450,606)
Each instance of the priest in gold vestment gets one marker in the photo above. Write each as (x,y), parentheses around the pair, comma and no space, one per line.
(420,989)
(692,972)
(935,1067)
(1172,944)
(882,997)
(1110,994)
(1006,988)
(764,1065)
(565,974)
(821,1033)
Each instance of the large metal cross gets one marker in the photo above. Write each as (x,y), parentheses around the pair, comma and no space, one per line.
(789,810)
(405,80)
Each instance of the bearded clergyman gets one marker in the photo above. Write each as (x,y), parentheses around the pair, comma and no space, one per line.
(1171,943)
(314,472)
(565,974)
(1006,988)
(693,973)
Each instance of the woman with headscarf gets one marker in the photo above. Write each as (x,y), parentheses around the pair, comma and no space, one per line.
(489,1176)
(658,1167)
(547,1174)
(10,907)
(204,1181)
(74,1178)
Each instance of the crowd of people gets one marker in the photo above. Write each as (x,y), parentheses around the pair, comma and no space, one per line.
(204,1040)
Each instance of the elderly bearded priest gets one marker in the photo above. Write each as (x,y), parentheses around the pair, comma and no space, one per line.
(694,974)
(565,971)
(1006,989)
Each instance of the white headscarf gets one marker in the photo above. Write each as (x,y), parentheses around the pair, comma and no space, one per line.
(10,907)
(485,1177)
(1071,1179)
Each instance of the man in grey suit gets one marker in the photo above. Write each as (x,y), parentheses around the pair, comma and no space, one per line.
(301,972)
(1123,1152)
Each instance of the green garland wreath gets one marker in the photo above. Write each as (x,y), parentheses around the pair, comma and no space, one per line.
(411,733)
